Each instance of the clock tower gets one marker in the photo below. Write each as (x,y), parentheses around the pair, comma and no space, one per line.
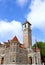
(27,40)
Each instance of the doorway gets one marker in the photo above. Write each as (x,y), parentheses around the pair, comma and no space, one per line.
(30,60)
(2,60)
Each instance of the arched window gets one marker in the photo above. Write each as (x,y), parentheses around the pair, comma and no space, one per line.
(25,25)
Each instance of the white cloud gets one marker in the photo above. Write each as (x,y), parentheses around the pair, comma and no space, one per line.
(37,14)
(9,29)
(21,3)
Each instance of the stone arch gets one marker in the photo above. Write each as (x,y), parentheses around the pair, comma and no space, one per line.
(2,60)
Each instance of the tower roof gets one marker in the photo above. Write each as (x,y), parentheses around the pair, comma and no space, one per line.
(26,22)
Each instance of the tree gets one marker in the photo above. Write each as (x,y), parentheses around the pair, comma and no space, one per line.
(41,46)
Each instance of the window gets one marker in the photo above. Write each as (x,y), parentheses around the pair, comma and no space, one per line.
(15,49)
(15,43)
(35,59)
(17,59)
(12,59)
(20,59)
(25,25)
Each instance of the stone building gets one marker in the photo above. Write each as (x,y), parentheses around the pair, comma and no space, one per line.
(13,52)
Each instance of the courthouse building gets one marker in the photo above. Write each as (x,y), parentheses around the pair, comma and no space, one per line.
(13,52)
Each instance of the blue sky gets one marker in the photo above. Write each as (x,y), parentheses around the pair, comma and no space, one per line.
(14,12)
